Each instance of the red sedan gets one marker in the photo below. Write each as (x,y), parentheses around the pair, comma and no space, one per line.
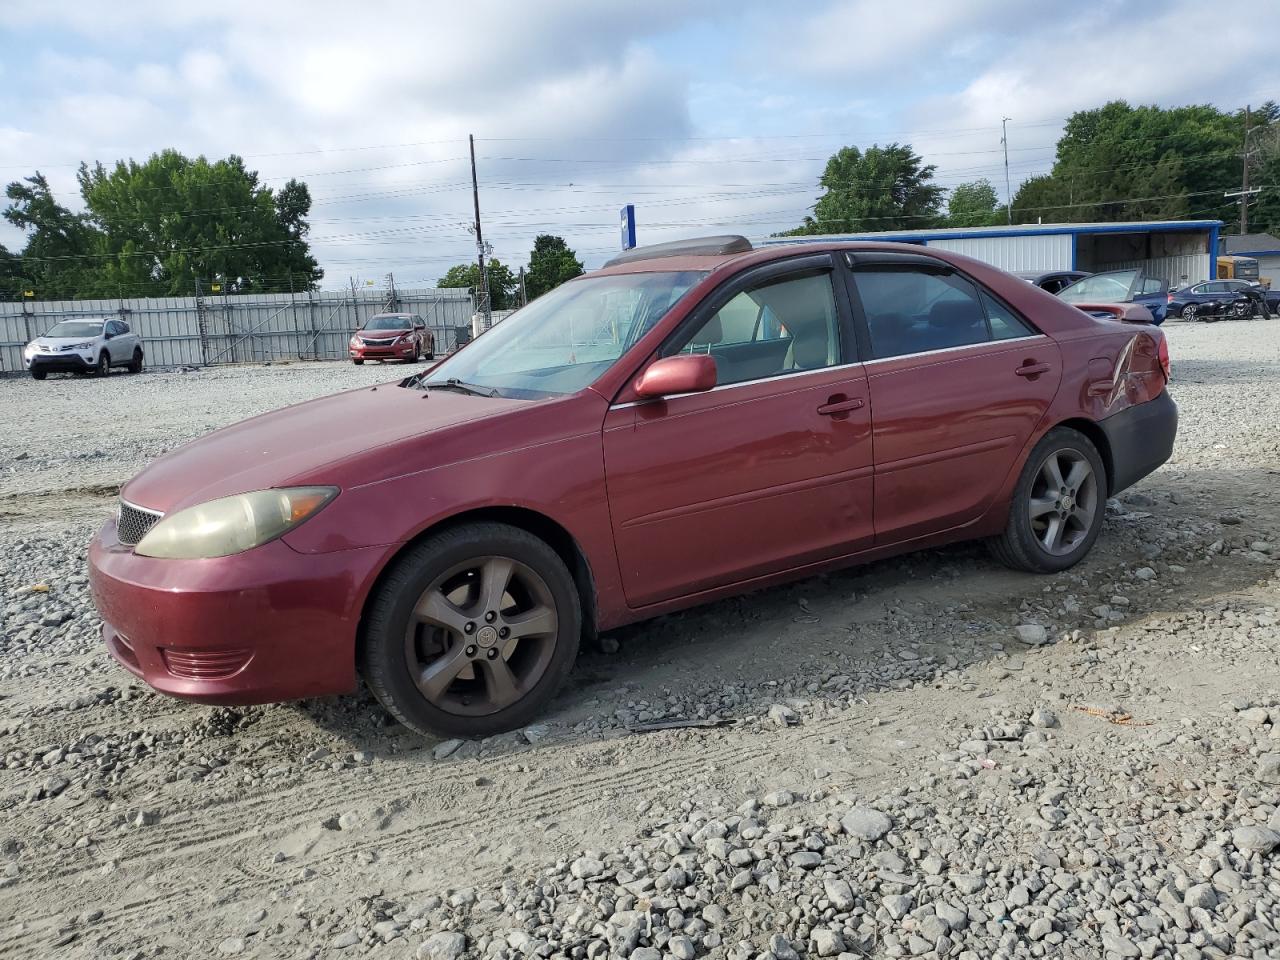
(392,336)
(693,420)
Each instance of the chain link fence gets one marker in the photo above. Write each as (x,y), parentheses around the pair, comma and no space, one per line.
(242,328)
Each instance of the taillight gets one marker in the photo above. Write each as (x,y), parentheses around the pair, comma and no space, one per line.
(1169,298)
(1165,365)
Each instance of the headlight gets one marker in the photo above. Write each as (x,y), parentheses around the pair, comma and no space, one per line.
(83,346)
(230,525)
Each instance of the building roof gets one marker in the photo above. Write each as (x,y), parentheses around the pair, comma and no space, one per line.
(1015,230)
(1250,243)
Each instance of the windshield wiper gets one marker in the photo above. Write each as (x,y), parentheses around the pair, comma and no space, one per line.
(453,383)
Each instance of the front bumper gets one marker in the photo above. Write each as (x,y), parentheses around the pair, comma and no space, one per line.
(1140,438)
(262,626)
(401,351)
(60,362)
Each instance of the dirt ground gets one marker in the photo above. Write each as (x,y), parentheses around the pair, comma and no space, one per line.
(139,826)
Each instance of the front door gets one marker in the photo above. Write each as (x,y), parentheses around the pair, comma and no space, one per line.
(769,470)
(958,382)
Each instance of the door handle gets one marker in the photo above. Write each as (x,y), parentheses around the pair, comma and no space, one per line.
(835,405)
(1032,369)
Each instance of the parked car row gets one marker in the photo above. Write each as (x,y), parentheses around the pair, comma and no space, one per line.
(1210,300)
(692,421)
(96,345)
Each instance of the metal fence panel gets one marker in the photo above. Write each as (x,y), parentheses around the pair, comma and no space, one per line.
(240,328)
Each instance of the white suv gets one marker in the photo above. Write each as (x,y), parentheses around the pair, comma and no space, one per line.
(84,346)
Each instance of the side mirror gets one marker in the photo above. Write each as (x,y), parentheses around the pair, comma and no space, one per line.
(686,373)
(107,335)
(420,326)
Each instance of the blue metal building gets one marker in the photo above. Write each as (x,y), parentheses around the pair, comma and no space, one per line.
(1180,251)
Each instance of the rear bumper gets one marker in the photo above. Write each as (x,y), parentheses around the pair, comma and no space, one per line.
(1141,439)
(266,625)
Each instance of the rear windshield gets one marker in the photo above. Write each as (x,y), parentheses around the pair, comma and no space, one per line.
(76,328)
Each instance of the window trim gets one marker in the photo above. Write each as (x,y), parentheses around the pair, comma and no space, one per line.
(854,262)
(850,353)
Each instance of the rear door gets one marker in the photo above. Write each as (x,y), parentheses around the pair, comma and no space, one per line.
(769,470)
(958,382)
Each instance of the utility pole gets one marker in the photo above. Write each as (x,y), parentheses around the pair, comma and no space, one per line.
(1008,193)
(1244,192)
(1244,186)
(482,295)
(524,294)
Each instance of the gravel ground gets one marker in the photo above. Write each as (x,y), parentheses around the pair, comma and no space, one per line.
(929,756)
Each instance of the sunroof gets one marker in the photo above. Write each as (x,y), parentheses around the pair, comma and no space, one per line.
(695,247)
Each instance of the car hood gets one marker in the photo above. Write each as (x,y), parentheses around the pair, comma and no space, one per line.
(64,341)
(308,443)
(382,334)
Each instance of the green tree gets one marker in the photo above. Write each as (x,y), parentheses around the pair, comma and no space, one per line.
(885,188)
(974,205)
(58,261)
(172,220)
(502,283)
(551,263)
(1120,162)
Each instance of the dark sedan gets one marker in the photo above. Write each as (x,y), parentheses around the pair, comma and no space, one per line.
(1223,298)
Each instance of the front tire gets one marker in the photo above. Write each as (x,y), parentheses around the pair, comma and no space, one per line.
(1057,507)
(472,631)
(104,365)
(38,374)
(358,363)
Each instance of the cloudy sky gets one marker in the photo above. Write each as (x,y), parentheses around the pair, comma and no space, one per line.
(709,117)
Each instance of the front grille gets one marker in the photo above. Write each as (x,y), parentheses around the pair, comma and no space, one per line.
(379,343)
(204,664)
(132,523)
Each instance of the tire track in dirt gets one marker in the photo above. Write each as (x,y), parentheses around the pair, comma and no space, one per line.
(212,845)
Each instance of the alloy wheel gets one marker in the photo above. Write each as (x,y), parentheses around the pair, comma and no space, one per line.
(1064,502)
(481,636)
(1189,312)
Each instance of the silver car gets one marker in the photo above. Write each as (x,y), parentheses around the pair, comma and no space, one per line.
(92,345)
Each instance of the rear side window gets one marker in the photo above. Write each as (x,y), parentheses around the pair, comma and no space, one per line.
(909,310)
(1005,324)
(915,311)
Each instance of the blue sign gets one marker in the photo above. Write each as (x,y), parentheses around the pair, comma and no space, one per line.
(628,226)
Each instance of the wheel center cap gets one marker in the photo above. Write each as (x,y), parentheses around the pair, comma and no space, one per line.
(1068,502)
(486,637)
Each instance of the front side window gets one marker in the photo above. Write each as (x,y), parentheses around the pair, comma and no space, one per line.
(910,310)
(566,339)
(779,326)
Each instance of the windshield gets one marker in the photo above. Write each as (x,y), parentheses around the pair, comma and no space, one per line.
(389,323)
(1101,288)
(565,340)
(77,328)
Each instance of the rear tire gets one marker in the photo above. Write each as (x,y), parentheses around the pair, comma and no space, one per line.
(135,365)
(471,632)
(1053,524)
(1189,312)
(38,374)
